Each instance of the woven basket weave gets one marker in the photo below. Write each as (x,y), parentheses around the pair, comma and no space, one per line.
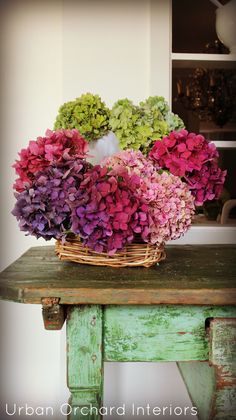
(136,254)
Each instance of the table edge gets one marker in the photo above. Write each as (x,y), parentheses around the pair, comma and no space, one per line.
(119,296)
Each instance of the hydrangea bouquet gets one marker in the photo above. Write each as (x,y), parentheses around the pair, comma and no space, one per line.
(128,198)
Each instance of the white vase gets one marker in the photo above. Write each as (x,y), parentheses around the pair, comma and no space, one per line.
(226,25)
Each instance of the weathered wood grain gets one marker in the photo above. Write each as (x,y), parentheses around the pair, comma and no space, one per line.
(199,379)
(223,358)
(197,275)
(213,388)
(158,333)
(84,360)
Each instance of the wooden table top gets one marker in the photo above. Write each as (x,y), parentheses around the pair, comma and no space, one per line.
(196,275)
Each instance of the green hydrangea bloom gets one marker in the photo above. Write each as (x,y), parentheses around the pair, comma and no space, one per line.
(87,113)
(124,121)
(137,127)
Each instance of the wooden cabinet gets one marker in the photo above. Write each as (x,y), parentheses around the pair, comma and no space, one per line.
(186,55)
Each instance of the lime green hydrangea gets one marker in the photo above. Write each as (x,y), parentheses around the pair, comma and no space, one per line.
(137,127)
(125,123)
(88,114)
(155,105)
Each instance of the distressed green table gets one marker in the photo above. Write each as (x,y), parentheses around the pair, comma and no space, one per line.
(183,310)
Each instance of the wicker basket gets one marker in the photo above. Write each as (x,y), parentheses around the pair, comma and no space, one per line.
(136,254)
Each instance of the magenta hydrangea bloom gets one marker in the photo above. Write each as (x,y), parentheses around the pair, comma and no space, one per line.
(170,205)
(44,210)
(56,146)
(108,215)
(194,159)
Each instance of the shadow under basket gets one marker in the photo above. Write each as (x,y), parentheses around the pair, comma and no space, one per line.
(133,255)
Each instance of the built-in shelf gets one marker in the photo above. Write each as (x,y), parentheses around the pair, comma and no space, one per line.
(188,60)
(201,220)
(212,233)
(225,144)
(202,230)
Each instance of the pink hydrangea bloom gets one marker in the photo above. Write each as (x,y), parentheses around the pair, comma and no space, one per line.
(169,203)
(136,164)
(194,159)
(170,210)
(55,147)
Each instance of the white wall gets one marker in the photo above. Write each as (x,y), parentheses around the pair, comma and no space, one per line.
(53,51)
(106,49)
(31,90)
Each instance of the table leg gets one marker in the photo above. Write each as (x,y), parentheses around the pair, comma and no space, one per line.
(212,387)
(84,361)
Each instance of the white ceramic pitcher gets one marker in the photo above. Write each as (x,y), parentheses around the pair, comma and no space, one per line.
(226,25)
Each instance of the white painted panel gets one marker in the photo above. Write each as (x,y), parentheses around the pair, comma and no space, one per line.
(160,48)
(197,235)
(105,49)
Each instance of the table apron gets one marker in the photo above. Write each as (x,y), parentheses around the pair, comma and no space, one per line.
(159,332)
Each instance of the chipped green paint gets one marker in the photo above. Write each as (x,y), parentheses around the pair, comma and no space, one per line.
(225,404)
(155,333)
(223,358)
(199,379)
(223,337)
(84,360)
(213,388)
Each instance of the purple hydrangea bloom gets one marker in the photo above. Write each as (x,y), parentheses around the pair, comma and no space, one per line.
(44,210)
